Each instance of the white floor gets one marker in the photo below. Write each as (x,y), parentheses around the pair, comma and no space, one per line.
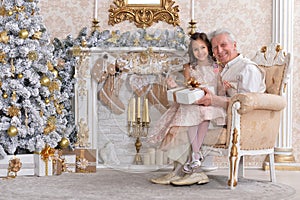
(291,178)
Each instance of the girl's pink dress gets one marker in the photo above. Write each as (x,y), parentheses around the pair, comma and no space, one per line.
(178,116)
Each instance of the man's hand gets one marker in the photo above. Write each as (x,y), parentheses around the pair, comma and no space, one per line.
(207,99)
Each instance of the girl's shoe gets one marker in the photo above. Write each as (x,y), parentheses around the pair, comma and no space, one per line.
(190,167)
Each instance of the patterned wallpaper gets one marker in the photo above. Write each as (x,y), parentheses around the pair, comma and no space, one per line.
(250,21)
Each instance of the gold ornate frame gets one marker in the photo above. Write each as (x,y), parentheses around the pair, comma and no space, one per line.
(143,15)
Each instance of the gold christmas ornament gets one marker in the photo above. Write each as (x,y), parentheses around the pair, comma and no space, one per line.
(32,55)
(23,34)
(10,13)
(55,72)
(5,95)
(64,143)
(12,131)
(0,83)
(4,37)
(20,75)
(45,81)
(47,100)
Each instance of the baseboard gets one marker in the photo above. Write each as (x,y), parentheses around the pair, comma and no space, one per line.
(283,166)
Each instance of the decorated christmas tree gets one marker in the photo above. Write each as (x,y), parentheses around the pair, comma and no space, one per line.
(35,107)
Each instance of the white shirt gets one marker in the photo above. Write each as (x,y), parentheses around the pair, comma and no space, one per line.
(244,76)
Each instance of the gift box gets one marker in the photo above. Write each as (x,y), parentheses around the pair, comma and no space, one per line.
(86,159)
(17,165)
(185,95)
(57,162)
(171,93)
(43,166)
(43,162)
(69,163)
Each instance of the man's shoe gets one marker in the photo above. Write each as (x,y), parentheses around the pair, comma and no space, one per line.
(190,179)
(165,179)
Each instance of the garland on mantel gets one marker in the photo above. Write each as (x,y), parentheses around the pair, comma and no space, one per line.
(173,39)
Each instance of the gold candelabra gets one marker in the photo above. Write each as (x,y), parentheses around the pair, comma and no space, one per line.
(192,27)
(137,126)
(95,26)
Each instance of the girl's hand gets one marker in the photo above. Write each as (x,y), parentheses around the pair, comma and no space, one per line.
(171,82)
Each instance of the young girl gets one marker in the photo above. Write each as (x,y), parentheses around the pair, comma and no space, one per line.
(194,118)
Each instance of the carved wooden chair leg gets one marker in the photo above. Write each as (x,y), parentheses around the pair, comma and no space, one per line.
(234,160)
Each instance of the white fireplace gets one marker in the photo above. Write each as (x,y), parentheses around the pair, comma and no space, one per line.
(106,79)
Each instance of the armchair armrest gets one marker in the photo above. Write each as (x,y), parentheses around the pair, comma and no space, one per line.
(258,101)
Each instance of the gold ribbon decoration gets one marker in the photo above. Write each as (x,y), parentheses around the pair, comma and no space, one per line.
(46,153)
(82,163)
(14,166)
(193,83)
(4,37)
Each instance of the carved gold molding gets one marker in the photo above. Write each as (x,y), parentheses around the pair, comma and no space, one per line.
(144,15)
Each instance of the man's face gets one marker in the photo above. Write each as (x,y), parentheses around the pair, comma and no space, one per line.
(223,48)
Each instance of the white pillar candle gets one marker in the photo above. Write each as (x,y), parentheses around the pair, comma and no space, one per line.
(159,157)
(96,9)
(165,159)
(146,159)
(151,152)
(128,111)
(133,110)
(146,110)
(138,107)
(192,10)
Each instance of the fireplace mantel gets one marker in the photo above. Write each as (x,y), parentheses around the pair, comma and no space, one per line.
(96,68)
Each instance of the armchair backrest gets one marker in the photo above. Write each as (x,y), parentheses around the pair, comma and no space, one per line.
(275,62)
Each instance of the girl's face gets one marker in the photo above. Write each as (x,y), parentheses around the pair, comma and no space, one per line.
(200,50)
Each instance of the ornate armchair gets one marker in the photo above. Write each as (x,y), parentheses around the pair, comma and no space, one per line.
(253,118)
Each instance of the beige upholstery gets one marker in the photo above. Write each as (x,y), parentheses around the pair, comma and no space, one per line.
(254,118)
